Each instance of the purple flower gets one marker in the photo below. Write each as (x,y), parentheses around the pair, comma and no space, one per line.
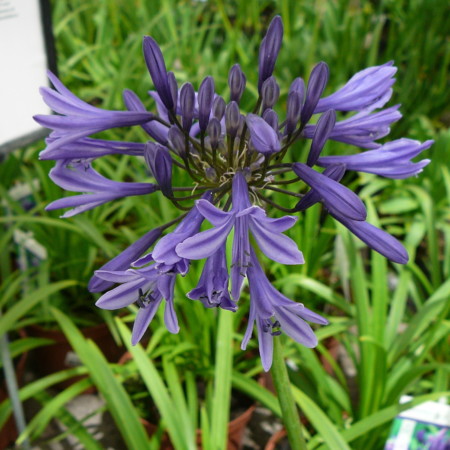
(336,197)
(375,238)
(187,105)
(236,81)
(263,137)
(293,111)
(79,119)
(205,102)
(243,217)
(323,130)
(212,288)
(153,128)
(269,49)
(270,93)
(274,313)
(88,148)
(146,287)
(316,85)
(392,160)
(123,260)
(80,177)
(157,68)
(159,161)
(233,161)
(362,91)
(362,129)
(439,441)
(164,254)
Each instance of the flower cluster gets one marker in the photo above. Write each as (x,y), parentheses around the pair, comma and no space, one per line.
(235,162)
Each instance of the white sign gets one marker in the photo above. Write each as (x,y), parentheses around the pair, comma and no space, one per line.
(23,66)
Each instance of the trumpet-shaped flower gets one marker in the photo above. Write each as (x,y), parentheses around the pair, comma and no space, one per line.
(274,313)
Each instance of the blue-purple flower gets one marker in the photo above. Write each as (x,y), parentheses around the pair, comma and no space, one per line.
(274,313)
(235,161)
(244,218)
(81,177)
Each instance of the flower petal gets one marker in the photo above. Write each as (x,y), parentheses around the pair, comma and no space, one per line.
(336,197)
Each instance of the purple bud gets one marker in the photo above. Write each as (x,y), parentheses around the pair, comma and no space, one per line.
(268,51)
(337,198)
(157,68)
(298,85)
(232,118)
(173,85)
(156,130)
(159,161)
(205,100)
(293,111)
(236,81)
(211,174)
(263,137)
(270,93)
(271,117)
(323,130)
(335,172)
(123,260)
(316,85)
(219,107)
(214,130)
(187,105)
(177,141)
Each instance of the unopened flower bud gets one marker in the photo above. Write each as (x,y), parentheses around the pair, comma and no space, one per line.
(298,85)
(205,100)
(157,68)
(159,161)
(232,118)
(316,85)
(324,128)
(271,117)
(219,107)
(268,51)
(187,105)
(214,130)
(263,136)
(236,81)
(270,93)
(177,141)
(173,86)
(293,111)
(211,174)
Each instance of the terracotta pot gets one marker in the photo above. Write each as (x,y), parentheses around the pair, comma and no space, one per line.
(8,433)
(60,355)
(236,430)
(236,427)
(276,439)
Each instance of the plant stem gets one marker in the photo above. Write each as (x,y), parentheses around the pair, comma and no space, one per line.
(291,419)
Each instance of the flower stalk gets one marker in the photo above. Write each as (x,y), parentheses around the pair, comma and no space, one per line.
(289,412)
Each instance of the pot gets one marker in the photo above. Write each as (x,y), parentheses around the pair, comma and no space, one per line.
(236,427)
(60,355)
(278,441)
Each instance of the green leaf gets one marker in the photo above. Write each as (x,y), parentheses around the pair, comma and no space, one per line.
(118,401)
(222,381)
(9,320)
(319,420)
(181,437)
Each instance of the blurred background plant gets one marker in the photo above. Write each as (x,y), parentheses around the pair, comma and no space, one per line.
(389,324)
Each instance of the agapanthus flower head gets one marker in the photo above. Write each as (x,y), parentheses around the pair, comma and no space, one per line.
(234,159)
